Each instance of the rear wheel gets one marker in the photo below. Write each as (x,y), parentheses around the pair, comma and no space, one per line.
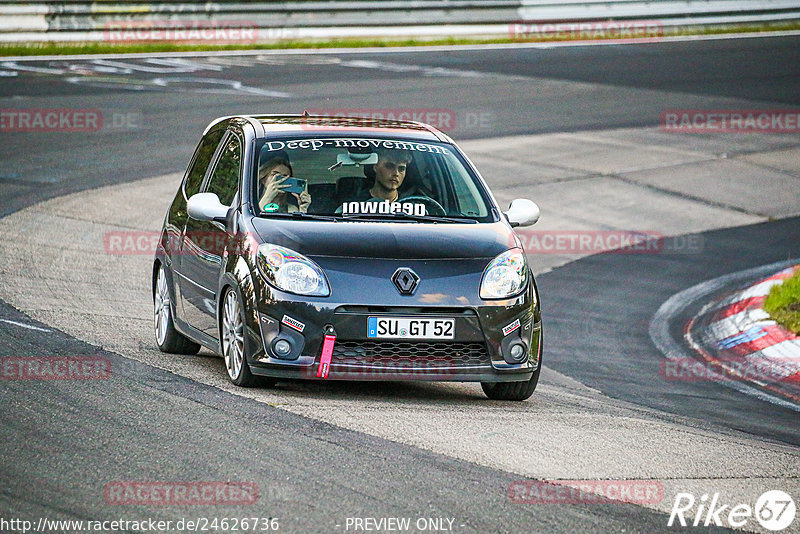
(232,334)
(167,337)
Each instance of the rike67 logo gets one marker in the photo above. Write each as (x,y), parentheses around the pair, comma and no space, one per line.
(774,510)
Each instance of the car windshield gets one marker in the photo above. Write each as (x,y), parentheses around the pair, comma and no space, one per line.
(367,178)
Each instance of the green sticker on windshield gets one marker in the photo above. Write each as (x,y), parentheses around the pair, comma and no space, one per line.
(271,207)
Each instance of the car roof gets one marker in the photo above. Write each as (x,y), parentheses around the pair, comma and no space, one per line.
(310,125)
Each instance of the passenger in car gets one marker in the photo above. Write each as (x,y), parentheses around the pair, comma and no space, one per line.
(272,174)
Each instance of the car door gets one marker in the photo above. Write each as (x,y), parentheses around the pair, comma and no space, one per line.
(193,181)
(204,242)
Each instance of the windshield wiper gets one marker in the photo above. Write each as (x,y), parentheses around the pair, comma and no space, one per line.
(407,217)
(299,215)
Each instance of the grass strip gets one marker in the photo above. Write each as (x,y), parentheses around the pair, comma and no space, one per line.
(783,303)
(99,47)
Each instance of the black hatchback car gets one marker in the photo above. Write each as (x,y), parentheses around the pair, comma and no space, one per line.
(347,249)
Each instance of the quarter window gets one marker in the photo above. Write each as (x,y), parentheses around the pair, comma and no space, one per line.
(225,180)
(203,155)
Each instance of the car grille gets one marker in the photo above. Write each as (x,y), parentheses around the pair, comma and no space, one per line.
(429,354)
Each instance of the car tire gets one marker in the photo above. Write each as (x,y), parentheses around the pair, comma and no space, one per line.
(167,337)
(231,335)
(514,391)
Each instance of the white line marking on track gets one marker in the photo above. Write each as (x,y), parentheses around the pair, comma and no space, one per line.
(107,83)
(424,70)
(224,86)
(160,65)
(27,68)
(23,325)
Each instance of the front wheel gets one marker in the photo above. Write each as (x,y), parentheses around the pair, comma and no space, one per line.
(514,391)
(511,391)
(232,330)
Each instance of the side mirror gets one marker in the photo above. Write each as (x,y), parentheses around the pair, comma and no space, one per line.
(522,212)
(206,207)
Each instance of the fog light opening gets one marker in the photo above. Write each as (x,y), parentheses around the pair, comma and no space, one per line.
(282,347)
(518,351)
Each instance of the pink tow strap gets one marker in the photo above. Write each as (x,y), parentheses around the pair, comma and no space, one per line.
(325,359)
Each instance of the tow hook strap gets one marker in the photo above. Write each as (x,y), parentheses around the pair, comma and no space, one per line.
(327,352)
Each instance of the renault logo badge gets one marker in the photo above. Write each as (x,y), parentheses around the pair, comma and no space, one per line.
(405,280)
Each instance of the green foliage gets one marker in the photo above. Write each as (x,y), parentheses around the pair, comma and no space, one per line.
(783,303)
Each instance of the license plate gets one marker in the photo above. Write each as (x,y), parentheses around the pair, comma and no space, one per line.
(411,328)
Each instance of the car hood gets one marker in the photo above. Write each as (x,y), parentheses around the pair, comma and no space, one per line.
(387,239)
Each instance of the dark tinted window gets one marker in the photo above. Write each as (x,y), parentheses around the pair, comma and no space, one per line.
(203,155)
(225,179)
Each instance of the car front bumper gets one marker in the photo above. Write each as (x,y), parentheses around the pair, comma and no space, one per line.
(479,351)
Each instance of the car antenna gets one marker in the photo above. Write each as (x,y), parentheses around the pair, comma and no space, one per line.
(306,113)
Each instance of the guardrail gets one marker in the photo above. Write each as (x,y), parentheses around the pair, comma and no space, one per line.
(51,20)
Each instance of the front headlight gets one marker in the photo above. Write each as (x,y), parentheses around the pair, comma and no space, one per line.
(290,271)
(505,276)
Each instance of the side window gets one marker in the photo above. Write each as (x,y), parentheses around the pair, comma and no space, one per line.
(225,179)
(203,154)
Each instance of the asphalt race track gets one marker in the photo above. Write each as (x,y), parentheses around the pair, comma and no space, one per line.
(574,128)
(613,335)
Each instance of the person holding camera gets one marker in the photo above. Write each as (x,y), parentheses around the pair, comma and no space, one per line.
(272,175)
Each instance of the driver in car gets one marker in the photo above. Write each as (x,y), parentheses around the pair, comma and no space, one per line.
(389,174)
(390,171)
